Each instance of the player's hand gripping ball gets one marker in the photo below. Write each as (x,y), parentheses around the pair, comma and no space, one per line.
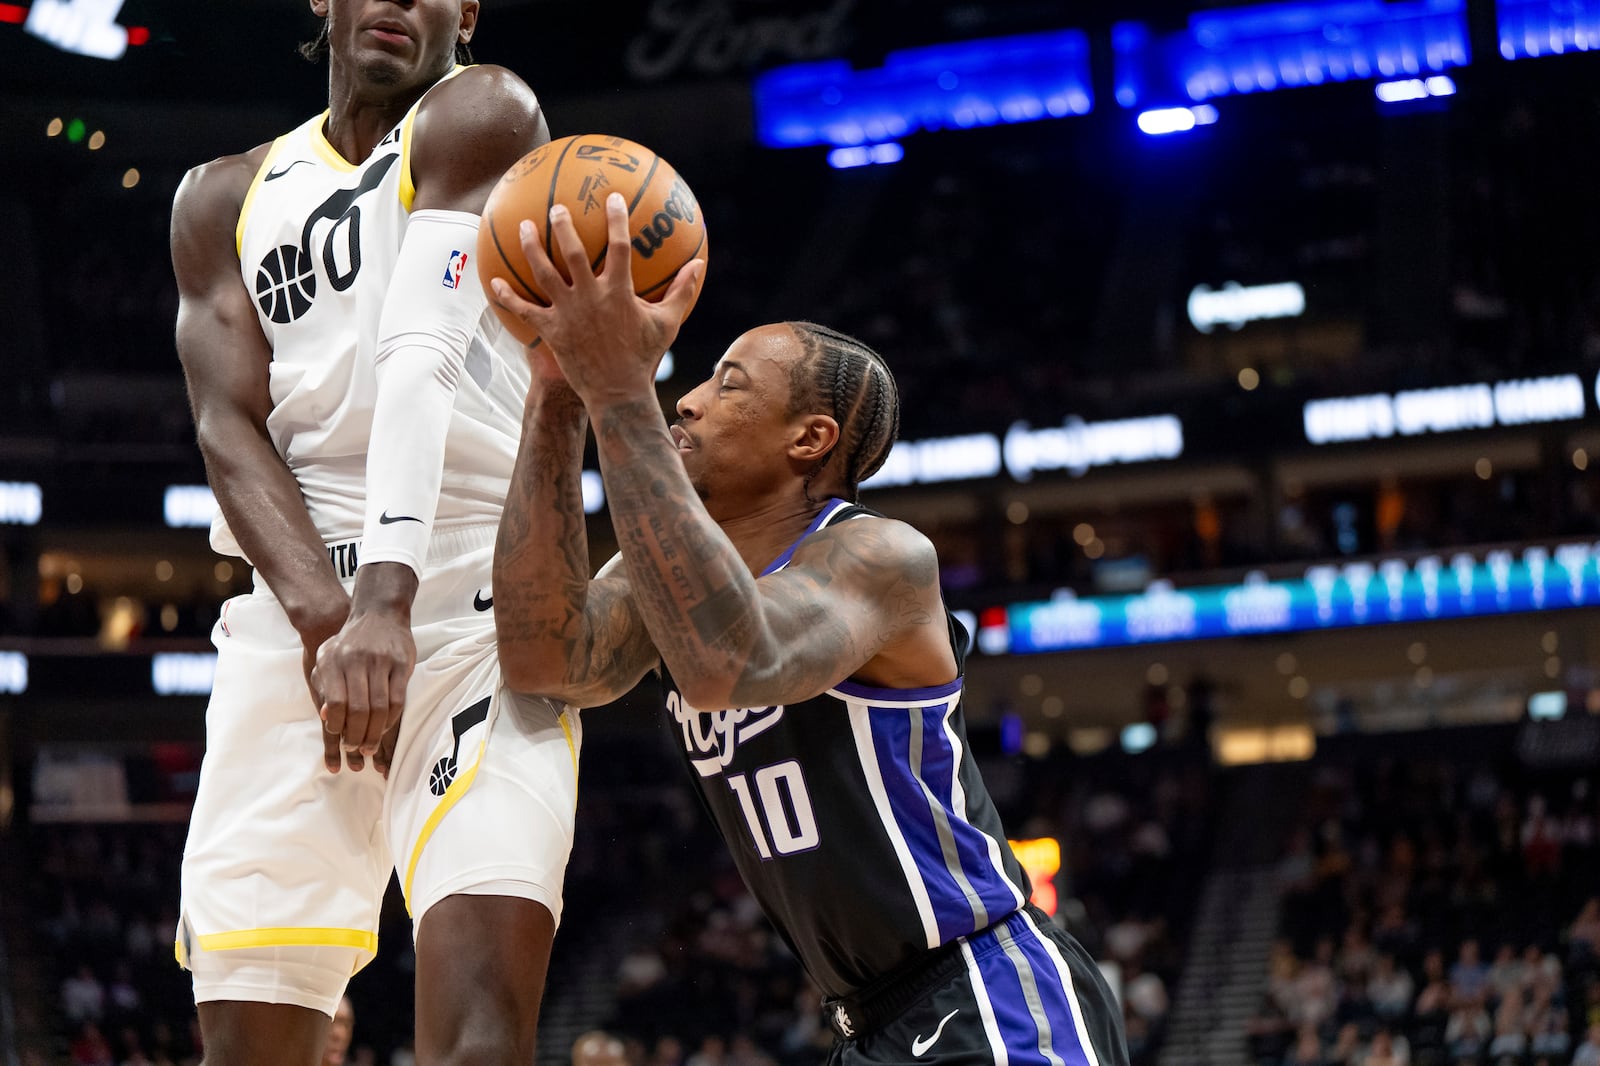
(664,219)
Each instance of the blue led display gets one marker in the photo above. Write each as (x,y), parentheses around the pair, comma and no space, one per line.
(1532,28)
(1282,46)
(1327,597)
(946,86)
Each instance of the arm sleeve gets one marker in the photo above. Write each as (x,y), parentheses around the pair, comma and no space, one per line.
(431,311)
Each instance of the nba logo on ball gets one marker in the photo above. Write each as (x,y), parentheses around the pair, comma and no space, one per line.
(454,269)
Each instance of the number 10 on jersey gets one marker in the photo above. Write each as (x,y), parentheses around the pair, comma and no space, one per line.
(777,809)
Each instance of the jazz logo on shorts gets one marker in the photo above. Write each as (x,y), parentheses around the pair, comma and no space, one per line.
(454,269)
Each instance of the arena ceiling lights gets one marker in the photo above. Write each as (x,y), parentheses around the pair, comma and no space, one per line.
(962,85)
(1529,29)
(1264,48)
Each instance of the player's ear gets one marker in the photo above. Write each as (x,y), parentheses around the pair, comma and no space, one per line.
(469,21)
(814,436)
(319,8)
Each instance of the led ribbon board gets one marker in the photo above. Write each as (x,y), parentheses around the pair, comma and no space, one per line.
(1327,597)
(1531,28)
(1282,46)
(946,86)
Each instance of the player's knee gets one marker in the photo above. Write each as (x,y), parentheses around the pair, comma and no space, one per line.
(486,1038)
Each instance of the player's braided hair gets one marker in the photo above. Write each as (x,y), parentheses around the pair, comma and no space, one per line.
(845,378)
(316,48)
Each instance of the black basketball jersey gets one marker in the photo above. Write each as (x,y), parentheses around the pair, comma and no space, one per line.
(857,818)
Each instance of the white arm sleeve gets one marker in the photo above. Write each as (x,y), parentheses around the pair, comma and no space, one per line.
(431,311)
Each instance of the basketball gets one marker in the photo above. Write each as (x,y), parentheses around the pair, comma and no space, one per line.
(664,218)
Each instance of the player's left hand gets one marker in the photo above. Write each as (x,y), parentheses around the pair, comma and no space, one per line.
(605,338)
(362,674)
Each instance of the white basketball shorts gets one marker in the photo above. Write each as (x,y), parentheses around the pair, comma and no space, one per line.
(286,864)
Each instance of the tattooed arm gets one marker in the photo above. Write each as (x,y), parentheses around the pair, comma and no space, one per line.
(561,634)
(860,599)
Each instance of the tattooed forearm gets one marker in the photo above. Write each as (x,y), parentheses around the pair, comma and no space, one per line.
(696,595)
(552,639)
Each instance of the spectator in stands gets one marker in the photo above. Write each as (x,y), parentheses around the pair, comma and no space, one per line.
(1387,1050)
(1469,1029)
(1510,1036)
(1391,989)
(1307,1049)
(1268,1032)
(1547,1023)
(742,1051)
(668,1052)
(1346,1047)
(1469,976)
(598,1048)
(90,1048)
(341,1030)
(1588,1053)
(1583,936)
(83,997)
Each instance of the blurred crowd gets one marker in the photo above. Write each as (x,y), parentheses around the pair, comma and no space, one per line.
(1438,914)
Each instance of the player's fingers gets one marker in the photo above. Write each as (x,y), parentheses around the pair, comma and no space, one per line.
(546,278)
(357,761)
(569,246)
(681,293)
(500,292)
(335,706)
(385,756)
(357,710)
(619,252)
(377,710)
(331,753)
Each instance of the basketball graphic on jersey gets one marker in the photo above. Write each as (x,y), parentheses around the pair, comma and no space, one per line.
(443,772)
(286,284)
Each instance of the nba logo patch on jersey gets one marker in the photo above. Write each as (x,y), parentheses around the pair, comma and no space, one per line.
(454,269)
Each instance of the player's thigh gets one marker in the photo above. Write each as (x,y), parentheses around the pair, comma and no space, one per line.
(262,1034)
(483,791)
(285,865)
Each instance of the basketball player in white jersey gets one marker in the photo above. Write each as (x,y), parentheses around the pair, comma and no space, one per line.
(359,415)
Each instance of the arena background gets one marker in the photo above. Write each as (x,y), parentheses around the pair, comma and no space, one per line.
(1249,358)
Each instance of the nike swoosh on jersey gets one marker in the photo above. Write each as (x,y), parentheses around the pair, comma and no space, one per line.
(481,604)
(386,519)
(920,1045)
(274,175)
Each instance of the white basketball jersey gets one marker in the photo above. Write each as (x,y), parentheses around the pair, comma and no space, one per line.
(318,239)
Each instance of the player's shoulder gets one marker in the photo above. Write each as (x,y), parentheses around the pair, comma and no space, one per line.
(478,99)
(218,188)
(877,548)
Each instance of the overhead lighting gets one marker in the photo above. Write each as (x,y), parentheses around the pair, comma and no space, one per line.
(1395,92)
(865,155)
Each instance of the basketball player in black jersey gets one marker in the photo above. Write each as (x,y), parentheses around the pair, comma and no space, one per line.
(480,958)
(812,675)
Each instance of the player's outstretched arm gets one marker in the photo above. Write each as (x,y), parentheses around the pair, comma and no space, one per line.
(225,363)
(561,635)
(467,132)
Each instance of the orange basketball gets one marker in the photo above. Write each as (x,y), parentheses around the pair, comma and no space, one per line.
(581,171)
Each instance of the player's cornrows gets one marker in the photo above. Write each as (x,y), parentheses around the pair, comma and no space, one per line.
(848,380)
(316,48)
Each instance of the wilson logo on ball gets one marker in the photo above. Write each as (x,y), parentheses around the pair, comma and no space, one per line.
(679,207)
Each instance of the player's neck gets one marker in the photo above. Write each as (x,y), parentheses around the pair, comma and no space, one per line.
(767,529)
(360,114)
